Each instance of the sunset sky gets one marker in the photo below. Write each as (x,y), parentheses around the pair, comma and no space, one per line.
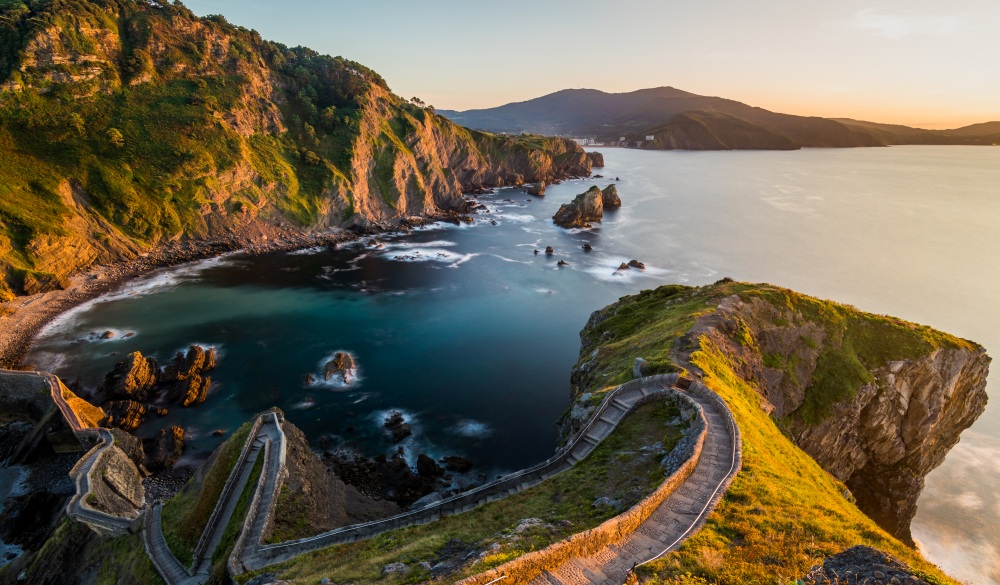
(917,62)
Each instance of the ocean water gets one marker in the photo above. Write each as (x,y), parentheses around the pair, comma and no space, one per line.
(472,336)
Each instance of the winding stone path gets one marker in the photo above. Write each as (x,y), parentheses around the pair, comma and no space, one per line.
(676,518)
(265,435)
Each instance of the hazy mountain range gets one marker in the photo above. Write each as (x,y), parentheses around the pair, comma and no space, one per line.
(669,118)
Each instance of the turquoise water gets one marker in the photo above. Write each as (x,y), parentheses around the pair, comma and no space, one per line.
(473,336)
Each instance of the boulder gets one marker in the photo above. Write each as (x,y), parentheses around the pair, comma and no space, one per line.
(636,264)
(537,189)
(587,248)
(133,378)
(610,198)
(623,266)
(549,251)
(587,207)
(563,263)
(342,364)
(596,159)
(163,450)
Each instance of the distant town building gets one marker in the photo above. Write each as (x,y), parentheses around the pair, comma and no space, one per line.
(650,137)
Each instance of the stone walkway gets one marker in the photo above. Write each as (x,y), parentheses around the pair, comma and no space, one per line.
(266,435)
(616,406)
(679,516)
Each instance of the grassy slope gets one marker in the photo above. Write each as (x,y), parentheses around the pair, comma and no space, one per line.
(185,514)
(783,513)
(613,470)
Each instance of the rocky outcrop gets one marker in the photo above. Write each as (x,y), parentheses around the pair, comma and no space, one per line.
(587,207)
(538,189)
(317,500)
(116,486)
(609,196)
(341,365)
(137,382)
(132,379)
(596,159)
(862,564)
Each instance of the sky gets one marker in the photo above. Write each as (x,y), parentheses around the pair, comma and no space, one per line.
(922,63)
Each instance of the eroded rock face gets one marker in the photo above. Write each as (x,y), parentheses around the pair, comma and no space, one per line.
(610,198)
(596,159)
(904,424)
(587,207)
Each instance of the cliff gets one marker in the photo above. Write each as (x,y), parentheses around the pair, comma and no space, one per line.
(126,124)
(876,401)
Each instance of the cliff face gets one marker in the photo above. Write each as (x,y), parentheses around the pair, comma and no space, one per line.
(125,124)
(877,401)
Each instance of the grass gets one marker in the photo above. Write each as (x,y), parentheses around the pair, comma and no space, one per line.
(616,469)
(106,561)
(185,514)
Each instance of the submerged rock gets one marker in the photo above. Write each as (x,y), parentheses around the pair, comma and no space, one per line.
(587,207)
(549,251)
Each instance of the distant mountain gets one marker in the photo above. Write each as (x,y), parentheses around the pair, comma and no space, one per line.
(676,119)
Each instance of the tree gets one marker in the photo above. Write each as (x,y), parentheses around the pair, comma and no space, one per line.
(329,117)
(417,101)
(115,138)
(76,122)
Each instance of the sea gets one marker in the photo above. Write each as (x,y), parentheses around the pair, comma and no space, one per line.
(471,334)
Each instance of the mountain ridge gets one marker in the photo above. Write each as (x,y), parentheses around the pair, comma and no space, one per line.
(667,114)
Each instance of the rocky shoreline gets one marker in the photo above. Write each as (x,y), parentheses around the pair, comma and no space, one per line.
(22,318)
